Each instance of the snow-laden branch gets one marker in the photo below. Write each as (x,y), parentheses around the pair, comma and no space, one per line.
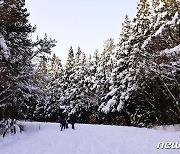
(6,89)
(3,48)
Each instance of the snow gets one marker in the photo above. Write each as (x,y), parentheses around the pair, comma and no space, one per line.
(13,6)
(159,31)
(112,92)
(108,106)
(46,138)
(4,48)
(147,41)
(119,107)
(175,19)
(120,61)
(171,52)
(161,5)
(169,128)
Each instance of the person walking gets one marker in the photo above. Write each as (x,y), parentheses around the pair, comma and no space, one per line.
(66,123)
(72,120)
(62,122)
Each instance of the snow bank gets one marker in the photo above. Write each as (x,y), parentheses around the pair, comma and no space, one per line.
(168,128)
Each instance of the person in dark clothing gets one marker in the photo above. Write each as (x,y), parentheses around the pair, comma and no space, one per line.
(66,123)
(72,120)
(62,122)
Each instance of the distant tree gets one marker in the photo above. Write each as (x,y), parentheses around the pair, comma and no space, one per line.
(70,60)
(78,56)
(55,65)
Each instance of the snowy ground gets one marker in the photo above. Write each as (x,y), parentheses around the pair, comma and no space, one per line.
(88,139)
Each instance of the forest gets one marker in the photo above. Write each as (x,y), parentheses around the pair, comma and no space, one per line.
(139,76)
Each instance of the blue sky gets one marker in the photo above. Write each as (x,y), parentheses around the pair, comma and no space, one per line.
(84,23)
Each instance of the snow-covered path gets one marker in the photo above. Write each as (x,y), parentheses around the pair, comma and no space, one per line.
(87,139)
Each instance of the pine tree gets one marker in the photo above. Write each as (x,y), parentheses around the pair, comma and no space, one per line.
(103,74)
(69,68)
(42,68)
(161,84)
(55,88)
(78,56)
(141,23)
(18,90)
(126,31)
(151,69)
(70,60)
(55,65)
(15,29)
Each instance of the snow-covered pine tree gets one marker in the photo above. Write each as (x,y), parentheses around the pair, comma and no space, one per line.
(42,82)
(159,67)
(42,68)
(55,96)
(17,89)
(15,29)
(149,74)
(132,101)
(126,72)
(78,99)
(40,78)
(103,77)
(141,22)
(69,86)
(78,55)
(126,32)
(4,58)
(53,66)
(120,58)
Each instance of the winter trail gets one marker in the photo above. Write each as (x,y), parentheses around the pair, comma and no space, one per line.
(86,139)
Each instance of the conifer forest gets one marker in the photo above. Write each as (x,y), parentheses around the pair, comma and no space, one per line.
(139,75)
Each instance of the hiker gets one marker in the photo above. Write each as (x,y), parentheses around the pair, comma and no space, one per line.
(72,120)
(62,122)
(66,123)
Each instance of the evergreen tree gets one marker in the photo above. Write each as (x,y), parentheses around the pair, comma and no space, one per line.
(141,23)
(78,55)
(70,60)
(42,68)
(55,96)
(103,74)
(15,29)
(126,31)
(160,84)
(147,99)
(17,90)
(55,65)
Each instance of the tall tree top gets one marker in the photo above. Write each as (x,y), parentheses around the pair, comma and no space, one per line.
(15,26)
(109,45)
(70,59)
(126,31)
(78,55)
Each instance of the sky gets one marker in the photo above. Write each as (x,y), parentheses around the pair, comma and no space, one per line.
(84,23)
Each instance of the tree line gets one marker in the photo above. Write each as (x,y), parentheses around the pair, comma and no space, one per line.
(140,75)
